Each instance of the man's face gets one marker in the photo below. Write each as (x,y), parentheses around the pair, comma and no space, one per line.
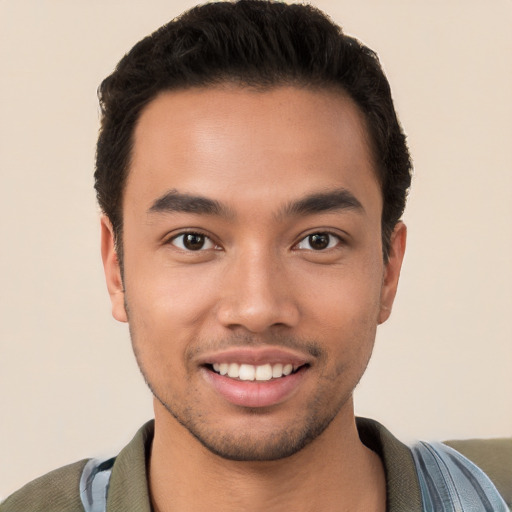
(252,245)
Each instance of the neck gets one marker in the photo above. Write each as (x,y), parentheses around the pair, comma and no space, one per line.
(335,472)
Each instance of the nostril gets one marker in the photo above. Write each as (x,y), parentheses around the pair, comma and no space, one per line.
(258,317)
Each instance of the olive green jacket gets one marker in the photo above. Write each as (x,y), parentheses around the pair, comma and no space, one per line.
(58,491)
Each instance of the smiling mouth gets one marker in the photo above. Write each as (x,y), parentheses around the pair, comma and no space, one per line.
(259,373)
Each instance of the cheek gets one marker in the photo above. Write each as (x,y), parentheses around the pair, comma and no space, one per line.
(344,296)
(169,296)
(344,312)
(168,311)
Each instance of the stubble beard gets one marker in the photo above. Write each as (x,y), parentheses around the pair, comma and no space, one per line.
(270,446)
(246,446)
(251,446)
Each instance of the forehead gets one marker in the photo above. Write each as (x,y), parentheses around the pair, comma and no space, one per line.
(241,143)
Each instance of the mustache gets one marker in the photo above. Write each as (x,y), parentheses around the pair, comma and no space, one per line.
(307,346)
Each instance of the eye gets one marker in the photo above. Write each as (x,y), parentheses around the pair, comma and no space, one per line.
(319,241)
(193,242)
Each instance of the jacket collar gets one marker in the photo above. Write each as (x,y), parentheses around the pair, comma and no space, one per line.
(128,489)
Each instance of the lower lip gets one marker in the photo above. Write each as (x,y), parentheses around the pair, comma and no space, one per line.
(255,393)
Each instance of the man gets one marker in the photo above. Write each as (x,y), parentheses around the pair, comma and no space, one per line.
(252,174)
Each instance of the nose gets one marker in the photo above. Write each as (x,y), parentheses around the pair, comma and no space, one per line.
(258,294)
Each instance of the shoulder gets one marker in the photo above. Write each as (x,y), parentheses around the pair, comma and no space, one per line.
(494,457)
(446,475)
(57,491)
(60,490)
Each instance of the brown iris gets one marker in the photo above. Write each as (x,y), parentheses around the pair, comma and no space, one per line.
(193,241)
(319,241)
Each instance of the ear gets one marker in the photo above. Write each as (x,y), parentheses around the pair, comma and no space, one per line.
(392,271)
(112,270)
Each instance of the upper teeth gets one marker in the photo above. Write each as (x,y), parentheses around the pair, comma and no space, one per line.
(251,372)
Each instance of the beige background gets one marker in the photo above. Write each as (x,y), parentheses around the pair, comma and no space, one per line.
(69,387)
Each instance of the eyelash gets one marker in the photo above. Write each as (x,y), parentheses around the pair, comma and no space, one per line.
(331,238)
(206,240)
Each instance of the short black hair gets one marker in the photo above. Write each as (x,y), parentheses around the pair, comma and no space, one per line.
(252,43)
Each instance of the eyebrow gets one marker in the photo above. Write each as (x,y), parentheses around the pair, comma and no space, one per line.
(174,201)
(334,200)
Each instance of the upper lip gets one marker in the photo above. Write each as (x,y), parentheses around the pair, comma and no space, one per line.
(255,356)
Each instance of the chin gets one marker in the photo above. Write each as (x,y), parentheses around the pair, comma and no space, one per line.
(255,444)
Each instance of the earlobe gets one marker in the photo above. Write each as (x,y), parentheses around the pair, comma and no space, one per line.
(392,271)
(112,270)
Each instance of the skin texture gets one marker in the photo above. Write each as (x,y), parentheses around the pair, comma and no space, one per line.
(256,284)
